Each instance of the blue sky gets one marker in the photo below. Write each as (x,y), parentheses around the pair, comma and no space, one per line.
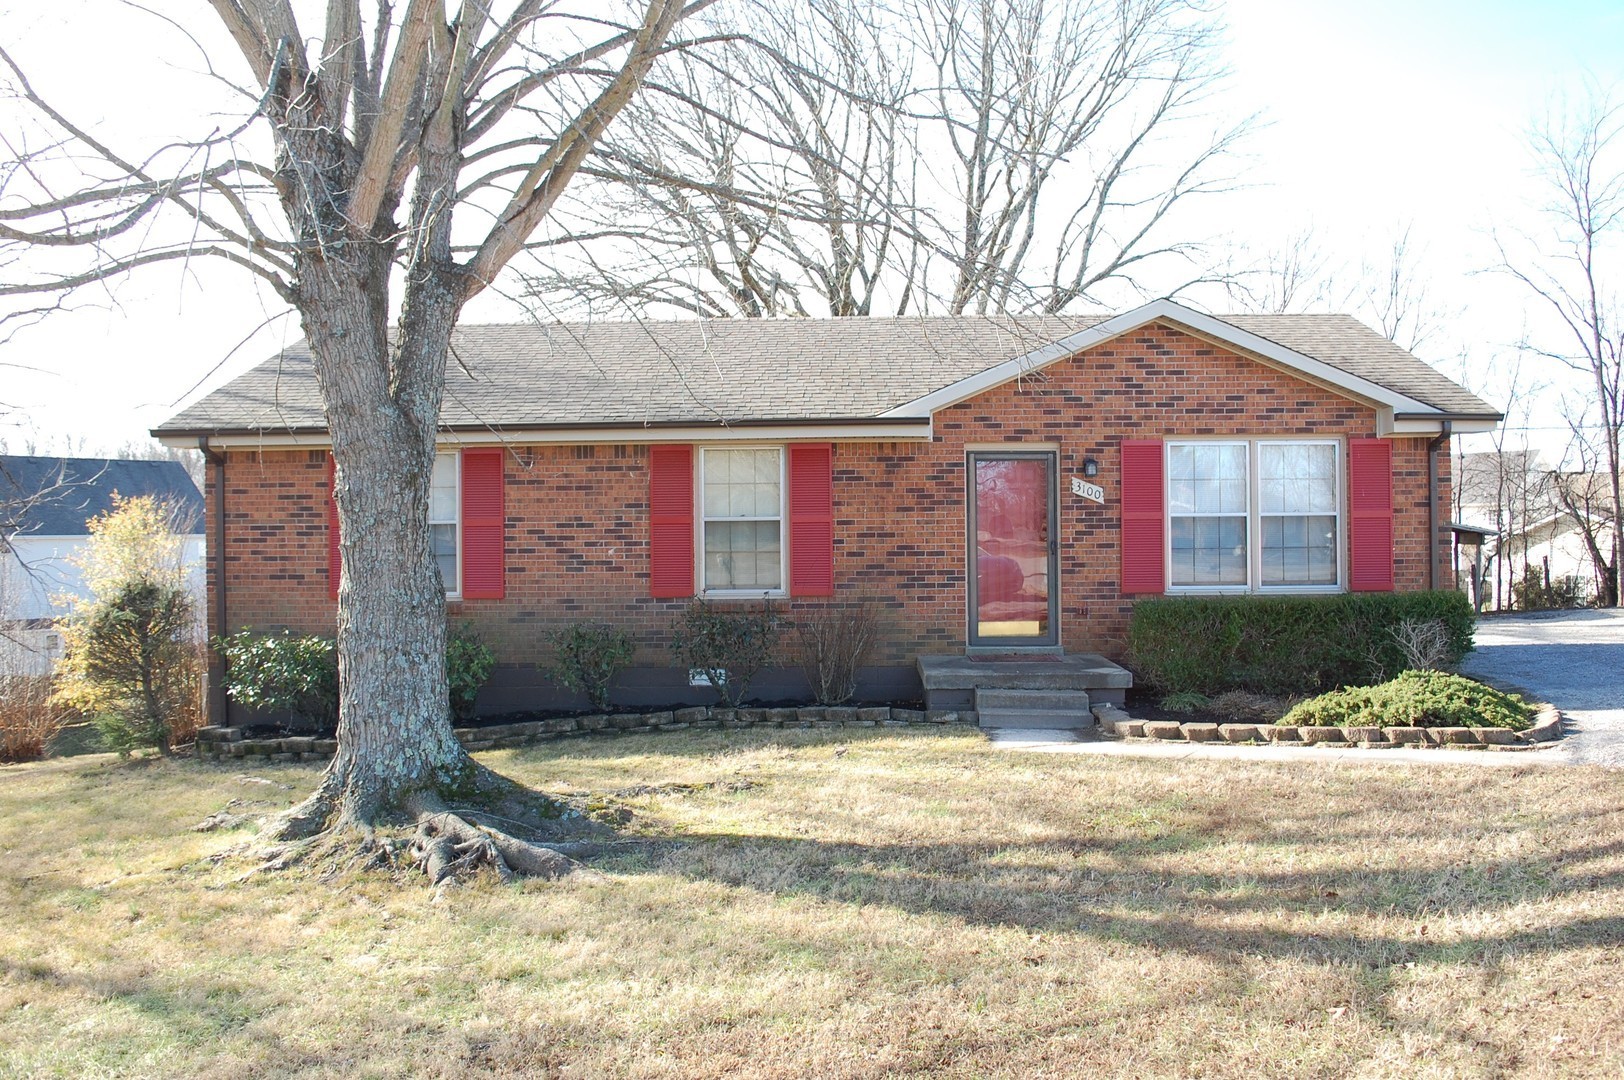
(1378,115)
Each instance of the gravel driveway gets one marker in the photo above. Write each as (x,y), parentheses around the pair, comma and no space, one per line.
(1572,659)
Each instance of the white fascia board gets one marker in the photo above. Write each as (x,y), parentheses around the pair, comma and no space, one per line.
(1168,311)
(878,430)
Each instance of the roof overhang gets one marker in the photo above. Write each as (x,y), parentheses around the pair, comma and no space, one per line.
(901,429)
(1396,413)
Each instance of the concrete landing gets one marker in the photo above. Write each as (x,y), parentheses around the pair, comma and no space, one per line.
(952,682)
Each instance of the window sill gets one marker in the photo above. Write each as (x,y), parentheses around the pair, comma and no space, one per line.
(744,594)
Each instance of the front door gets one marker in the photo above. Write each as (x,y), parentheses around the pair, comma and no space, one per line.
(1013,584)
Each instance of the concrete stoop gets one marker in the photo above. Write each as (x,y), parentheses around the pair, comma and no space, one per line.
(1051,692)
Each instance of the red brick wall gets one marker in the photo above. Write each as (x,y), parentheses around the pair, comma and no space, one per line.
(577,529)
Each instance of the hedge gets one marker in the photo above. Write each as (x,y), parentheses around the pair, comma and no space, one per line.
(1284,644)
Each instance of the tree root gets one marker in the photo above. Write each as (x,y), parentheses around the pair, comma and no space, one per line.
(447,846)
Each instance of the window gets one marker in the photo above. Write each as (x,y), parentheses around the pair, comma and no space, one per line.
(445,498)
(1253,515)
(742,508)
(1206,502)
(1297,513)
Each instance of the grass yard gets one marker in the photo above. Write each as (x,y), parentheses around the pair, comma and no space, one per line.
(832,905)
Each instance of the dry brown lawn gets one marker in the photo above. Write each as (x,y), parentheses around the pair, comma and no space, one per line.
(834,905)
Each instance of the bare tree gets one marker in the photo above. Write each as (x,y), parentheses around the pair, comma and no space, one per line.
(1388,291)
(769,176)
(1585,494)
(955,155)
(1580,155)
(416,151)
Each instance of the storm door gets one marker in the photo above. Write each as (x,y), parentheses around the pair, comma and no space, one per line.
(1014,589)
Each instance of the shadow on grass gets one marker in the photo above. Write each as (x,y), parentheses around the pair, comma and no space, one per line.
(1116,891)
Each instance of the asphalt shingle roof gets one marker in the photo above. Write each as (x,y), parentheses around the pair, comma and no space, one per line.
(706,371)
(55,496)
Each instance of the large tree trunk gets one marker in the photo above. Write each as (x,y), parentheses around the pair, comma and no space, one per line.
(395,742)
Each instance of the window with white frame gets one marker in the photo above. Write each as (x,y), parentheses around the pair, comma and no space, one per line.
(742,519)
(1260,515)
(1297,514)
(1207,502)
(445,504)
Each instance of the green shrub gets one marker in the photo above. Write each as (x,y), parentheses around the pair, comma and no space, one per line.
(283,672)
(468,666)
(1185,701)
(1284,644)
(586,658)
(729,645)
(1532,592)
(1414,699)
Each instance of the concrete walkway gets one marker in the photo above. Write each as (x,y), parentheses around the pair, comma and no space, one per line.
(1572,659)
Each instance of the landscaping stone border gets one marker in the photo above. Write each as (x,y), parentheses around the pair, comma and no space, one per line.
(1547,728)
(226,742)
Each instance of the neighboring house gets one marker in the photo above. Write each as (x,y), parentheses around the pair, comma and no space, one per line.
(1005,485)
(46,504)
(1519,500)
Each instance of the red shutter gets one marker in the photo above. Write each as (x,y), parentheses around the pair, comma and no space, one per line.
(1370,514)
(1144,519)
(811,520)
(671,521)
(484,562)
(335,561)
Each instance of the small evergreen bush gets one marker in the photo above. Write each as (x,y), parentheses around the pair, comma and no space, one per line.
(1414,699)
(586,658)
(729,645)
(128,663)
(469,663)
(284,672)
(1285,644)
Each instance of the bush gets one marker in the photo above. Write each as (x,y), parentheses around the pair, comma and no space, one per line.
(132,648)
(129,665)
(728,645)
(1241,707)
(1185,702)
(831,644)
(586,658)
(468,666)
(29,717)
(1415,699)
(1532,592)
(284,672)
(1284,644)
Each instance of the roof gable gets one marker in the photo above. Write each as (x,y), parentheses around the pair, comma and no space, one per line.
(1406,386)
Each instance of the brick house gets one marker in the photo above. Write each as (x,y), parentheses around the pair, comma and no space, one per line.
(998,485)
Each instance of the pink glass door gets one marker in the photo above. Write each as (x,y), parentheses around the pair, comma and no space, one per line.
(1012,593)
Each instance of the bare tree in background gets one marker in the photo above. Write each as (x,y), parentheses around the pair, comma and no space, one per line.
(947,155)
(416,150)
(1580,155)
(768,176)
(1387,291)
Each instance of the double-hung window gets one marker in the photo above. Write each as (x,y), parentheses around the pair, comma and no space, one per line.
(445,499)
(1259,515)
(742,526)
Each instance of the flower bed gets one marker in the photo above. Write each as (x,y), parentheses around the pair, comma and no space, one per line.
(225,742)
(1547,727)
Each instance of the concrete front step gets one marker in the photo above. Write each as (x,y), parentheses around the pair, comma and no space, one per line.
(953,682)
(999,707)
